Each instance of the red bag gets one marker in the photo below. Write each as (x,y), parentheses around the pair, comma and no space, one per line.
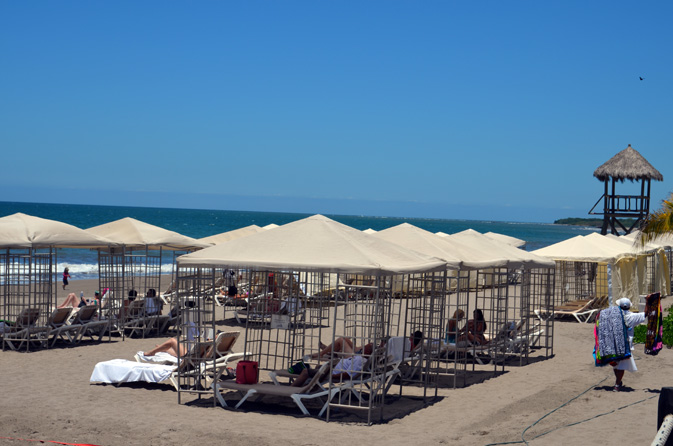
(247,372)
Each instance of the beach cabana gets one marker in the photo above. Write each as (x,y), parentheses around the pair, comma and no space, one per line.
(587,267)
(231,235)
(649,266)
(27,268)
(666,244)
(281,327)
(134,269)
(511,293)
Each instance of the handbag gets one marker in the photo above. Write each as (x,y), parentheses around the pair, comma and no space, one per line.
(247,372)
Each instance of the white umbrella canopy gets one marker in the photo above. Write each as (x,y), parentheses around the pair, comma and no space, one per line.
(515,257)
(417,239)
(315,243)
(664,241)
(25,231)
(582,249)
(133,233)
(513,241)
(231,235)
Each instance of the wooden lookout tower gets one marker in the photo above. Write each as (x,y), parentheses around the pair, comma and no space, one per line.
(626,165)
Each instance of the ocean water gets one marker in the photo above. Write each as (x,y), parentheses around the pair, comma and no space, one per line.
(200,223)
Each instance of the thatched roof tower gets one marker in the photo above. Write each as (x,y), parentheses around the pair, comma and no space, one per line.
(626,165)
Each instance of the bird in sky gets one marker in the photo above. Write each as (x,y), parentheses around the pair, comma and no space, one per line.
(641,78)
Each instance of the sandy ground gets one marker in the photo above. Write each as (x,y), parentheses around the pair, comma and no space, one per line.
(46,395)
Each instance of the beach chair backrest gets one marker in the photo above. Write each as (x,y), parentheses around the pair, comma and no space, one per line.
(316,378)
(28,317)
(86,314)
(225,342)
(59,316)
(136,308)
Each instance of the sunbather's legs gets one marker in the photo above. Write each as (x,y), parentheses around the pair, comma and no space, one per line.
(341,345)
(70,301)
(170,346)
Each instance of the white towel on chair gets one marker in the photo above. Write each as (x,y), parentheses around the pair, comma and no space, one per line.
(123,371)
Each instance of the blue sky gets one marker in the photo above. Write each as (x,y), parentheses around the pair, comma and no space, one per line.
(468,110)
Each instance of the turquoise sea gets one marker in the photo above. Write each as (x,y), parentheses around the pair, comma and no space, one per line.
(200,223)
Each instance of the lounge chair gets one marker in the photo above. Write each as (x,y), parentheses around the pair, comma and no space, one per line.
(379,372)
(583,313)
(90,325)
(204,364)
(60,328)
(24,330)
(309,391)
(207,364)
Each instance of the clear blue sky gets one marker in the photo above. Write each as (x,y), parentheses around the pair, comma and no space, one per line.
(469,110)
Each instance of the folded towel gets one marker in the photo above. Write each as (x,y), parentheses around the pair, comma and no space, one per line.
(611,335)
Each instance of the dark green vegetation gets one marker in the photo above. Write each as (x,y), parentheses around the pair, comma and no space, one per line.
(593,222)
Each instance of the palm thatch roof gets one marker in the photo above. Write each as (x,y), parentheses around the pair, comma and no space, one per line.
(628,165)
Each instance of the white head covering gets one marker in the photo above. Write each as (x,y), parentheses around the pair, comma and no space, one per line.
(624,303)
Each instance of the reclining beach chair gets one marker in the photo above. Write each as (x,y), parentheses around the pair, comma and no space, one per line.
(25,331)
(60,328)
(205,364)
(378,374)
(583,312)
(310,390)
(163,368)
(90,325)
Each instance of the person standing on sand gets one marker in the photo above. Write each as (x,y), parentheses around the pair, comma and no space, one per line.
(66,276)
(611,330)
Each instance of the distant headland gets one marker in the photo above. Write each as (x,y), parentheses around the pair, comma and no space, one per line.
(592,222)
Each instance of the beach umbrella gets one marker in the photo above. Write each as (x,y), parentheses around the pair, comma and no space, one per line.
(315,243)
(134,233)
(25,231)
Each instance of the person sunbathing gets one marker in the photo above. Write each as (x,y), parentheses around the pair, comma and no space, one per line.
(170,346)
(73,301)
(352,360)
(474,330)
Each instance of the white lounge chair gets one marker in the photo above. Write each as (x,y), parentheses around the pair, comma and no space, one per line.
(298,394)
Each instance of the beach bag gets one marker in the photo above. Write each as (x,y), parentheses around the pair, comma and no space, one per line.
(247,372)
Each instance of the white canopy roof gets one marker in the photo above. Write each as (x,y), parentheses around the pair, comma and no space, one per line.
(131,232)
(665,241)
(513,241)
(590,248)
(25,231)
(515,257)
(315,243)
(231,235)
(369,231)
(417,239)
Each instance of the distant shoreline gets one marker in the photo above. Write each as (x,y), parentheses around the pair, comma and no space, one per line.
(591,222)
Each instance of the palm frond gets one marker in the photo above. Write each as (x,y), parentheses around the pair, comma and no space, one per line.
(658,223)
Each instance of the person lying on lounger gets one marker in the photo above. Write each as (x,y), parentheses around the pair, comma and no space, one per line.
(474,330)
(352,359)
(73,301)
(172,346)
